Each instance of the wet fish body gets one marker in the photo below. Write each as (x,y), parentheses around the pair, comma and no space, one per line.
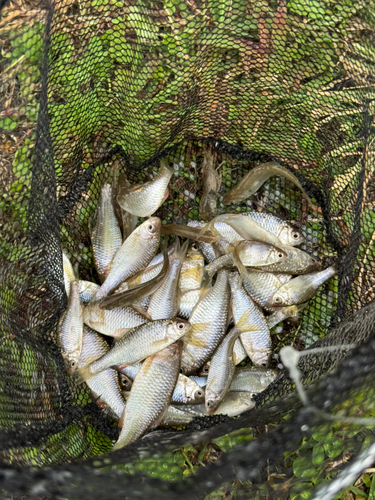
(302,288)
(145,199)
(69,274)
(141,342)
(87,290)
(296,262)
(285,232)
(221,371)
(188,301)
(192,270)
(133,256)
(106,236)
(151,394)
(209,320)
(252,379)
(70,330)
(115,322)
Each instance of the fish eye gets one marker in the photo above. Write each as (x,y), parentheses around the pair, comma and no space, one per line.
(194,246)
(151,228)
(312,259)
(208,404)
(180,326)
(277,299)
(72,364)
(199,393)
(295,235)
(280,255)
(205,369)
(264,364)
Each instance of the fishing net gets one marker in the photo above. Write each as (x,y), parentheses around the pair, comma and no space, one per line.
(91,87)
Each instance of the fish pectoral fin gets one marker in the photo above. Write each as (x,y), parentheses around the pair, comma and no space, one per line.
(196,342)
(158,343)
(244,321)
(120,332)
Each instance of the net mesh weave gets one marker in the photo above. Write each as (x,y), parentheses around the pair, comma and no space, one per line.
(90,86)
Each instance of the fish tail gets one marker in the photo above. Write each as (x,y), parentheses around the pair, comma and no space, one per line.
(180,251)
(164,165)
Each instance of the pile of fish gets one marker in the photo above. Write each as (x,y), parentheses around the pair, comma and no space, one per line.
(159,340)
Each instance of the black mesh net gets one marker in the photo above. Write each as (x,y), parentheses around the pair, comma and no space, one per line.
(88,87)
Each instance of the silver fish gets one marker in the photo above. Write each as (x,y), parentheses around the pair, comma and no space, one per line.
(150,395)
(133,256)
(70,330)
(192,270)
(302,288)
(209,320)
(251,253)
(254,179)
(87,290)
(296,262)
(165,300)
(69,274)
(145,199)
(104,386)
(234,403)
(252,379)
(199,379)
(221,371)
(115,322)
(255,335)
(188,301)
(286,233)
(261,286)
(141,342)
(178,416)
(187,391)
(106,234)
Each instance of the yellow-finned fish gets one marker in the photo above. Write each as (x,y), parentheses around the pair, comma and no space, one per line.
(106,236)
(115,322)
(253,180)
(145,199)
(165,300)
(192,270)
(302,288)
(105,387)
(141,342)
(132,257)
(221,371)
(150,395)
(209,321)
(70,330)
(255,334)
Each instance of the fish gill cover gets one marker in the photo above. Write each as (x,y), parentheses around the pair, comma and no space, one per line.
(91,88)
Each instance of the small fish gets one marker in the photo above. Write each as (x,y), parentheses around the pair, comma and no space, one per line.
(302,288)
(235,403)
(137,292)
(255,335)
(114,323)
(106,236)
(187,391)
(133,256)
(87,290)
(261,286)
(105,387)
(285,232)
(128,221)
(69,274)
(282,313)
(253,180)
(221,371)
(239,353)
(141,342)
(296,262)
(190,232)
(165,300)
(208,250)
(252,254)
(192,270)
(211,182)
(145,199)
(240,228)
(252,379)
(209,320)
(178,416)
(150,395)
(70,330)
